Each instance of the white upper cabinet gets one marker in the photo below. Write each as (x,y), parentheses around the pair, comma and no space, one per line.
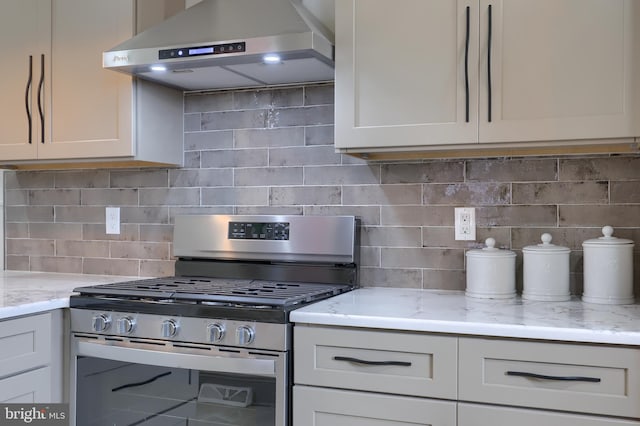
(442,74)
(400,74)
(560,69)
(78,110)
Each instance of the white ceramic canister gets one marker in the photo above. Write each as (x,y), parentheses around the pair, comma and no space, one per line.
(546,271)
(491,272)
(608,269)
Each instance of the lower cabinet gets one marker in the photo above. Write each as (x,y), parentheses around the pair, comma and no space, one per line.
(485,415)
(347,376)
(331,407)
(31,366)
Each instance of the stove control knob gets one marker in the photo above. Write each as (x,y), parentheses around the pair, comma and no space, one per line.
(216,332)
(169,328)
(245,335)
(125,325)
(100,322)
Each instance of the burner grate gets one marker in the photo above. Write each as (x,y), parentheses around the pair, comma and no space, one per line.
(204,289)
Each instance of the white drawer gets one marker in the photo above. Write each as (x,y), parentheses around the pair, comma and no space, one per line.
(569,377)
(25,343)
(331,407)
(478,415)
(30,387)
(388,362)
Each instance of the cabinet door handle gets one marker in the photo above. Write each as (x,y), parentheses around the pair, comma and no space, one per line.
(40,94)
(27,97)
(466,67)
(489,37)
(365,362)
(559,378)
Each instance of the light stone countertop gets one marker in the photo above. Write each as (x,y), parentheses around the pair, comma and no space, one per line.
(452,312)
(25,293)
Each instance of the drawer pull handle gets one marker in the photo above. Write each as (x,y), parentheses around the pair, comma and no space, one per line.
(365,362)
(561,378)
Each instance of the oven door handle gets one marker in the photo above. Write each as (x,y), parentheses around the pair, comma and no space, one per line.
(212,363)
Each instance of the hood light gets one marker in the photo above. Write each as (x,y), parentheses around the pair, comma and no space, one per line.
(271,59)
(158,68)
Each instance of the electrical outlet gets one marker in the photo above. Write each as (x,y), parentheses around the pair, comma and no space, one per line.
(465,223)
(112,220)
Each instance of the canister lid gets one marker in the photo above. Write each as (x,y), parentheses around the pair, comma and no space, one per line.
(490,250)
(607,239)
(546,246)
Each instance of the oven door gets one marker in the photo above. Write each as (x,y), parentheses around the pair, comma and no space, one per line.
(125,382)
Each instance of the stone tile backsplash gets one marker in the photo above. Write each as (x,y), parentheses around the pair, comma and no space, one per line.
(271,151)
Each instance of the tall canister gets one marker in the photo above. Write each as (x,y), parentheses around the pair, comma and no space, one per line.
(608,269)
(546,271)
(491,272)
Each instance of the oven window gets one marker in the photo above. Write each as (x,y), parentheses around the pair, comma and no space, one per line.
(116,393)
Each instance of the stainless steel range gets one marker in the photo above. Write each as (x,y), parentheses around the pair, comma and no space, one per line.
(212,344)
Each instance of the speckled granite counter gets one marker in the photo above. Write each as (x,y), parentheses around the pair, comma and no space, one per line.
(453,312)
(24,293)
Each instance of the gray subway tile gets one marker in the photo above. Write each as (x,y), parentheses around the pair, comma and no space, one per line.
(69,265)
(16,197)
(186,178)
(625,192)
(156,233)
(303,156)
(525,215)
(54,197)
(192,159)
(29,213)
(157,215)
(268,176)
(416,216)
(139,178)
(109,197)
(17,263)
(319,95)
(29,180)
(169,197)
(512,170)
(342,175)
(193,122)
(227,120)
(368,215)
(277,210)
(443,279)
(267,98)
(58,231)
(561,193)
(432,171)
(391,277)
(97,232)
(99,266)
(468,194)
(82,179)
(246,196)
(32,247)
(381,194)
(319,135)
(201,102)
(439,236)
(157,268)
(139,250)
(305,195)
(82,248)
(197,141)
(434,258)
(234,158)
(80,214)
(600,168)
(391,236)
(210,209)
(261,138)
(16,230)
(614,215)
(305,116)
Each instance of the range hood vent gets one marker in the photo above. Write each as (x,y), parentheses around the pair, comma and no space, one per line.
(220,44)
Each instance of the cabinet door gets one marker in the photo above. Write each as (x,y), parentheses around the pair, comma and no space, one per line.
(331,407)
(400,73)
(89,109)
(23,24)
(560,69)
(479,415)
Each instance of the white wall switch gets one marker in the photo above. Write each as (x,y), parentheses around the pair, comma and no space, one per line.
(112,220)
(465,223)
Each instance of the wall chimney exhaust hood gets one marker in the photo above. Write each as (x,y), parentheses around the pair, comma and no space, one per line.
(220,44)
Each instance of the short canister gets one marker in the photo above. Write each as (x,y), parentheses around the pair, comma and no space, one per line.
(608,269)
(491,272)
(546,271)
